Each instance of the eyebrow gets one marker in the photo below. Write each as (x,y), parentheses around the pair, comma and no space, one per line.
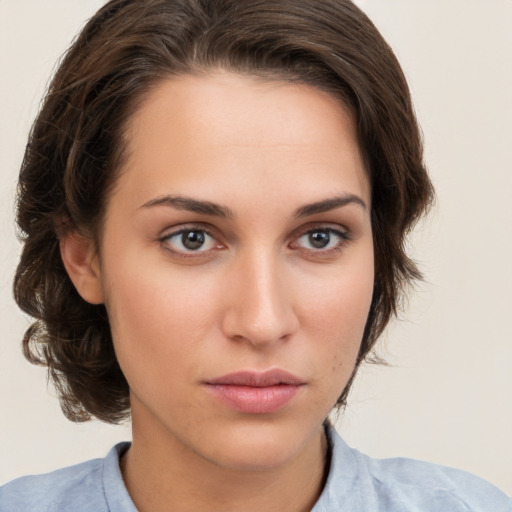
(329,204)
(191,205)
(217,210)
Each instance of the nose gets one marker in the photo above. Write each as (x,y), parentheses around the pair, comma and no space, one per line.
(260,308)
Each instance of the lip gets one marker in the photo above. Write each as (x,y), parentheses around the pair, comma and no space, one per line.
(256,392)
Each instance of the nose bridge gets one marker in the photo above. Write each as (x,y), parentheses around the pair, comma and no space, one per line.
(260,311)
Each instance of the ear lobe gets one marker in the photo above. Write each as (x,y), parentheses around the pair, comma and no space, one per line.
(81,263)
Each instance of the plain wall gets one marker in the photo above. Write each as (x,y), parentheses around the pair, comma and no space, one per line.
(447,396)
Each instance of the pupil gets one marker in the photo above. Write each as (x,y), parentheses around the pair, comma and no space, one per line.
(192,239)
(319,239)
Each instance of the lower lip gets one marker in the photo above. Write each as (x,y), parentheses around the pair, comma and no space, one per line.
(255,400)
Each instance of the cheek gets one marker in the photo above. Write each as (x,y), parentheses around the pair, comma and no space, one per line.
(339,305)
(335,318)
(158,315)
(152,297)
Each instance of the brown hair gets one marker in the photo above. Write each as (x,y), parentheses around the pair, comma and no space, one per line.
(75,152)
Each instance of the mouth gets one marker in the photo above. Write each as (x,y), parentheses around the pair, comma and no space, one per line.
(256,392)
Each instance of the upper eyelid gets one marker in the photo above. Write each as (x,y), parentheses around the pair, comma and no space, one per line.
(173,231)
(333,227)
(176,230)
(343,234)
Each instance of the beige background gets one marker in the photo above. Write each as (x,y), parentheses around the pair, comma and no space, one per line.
(448,396)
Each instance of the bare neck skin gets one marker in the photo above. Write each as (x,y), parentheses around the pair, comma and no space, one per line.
(173,478)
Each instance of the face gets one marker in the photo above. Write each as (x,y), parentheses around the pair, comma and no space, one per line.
(236,263)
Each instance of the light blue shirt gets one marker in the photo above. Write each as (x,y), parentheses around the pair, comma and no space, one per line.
(356,483)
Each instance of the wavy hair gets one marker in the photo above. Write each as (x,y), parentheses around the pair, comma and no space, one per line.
(76,149)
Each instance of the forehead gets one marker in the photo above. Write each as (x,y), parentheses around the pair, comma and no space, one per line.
(232,131)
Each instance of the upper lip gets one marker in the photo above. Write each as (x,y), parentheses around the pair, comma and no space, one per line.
(272,377)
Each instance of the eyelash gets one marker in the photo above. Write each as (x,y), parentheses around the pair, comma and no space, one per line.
(165,241)
(343,238)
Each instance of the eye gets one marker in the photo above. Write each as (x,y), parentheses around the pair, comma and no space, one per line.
(189,241)
(322,239)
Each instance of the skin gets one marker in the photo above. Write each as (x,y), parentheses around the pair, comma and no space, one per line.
(257,295)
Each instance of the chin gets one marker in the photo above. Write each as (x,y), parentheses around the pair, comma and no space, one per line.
(257,446)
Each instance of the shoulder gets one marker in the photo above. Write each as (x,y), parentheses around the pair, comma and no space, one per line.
(79,487)
(46,492)
(421,484)
(408,485)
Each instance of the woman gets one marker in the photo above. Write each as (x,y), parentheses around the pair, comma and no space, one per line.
(214,199)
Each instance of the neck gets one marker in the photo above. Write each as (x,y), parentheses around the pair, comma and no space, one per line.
(161,475)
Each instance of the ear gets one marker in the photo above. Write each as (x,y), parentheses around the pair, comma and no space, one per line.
(81,262)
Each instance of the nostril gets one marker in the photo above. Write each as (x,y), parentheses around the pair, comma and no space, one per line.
(244,325)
